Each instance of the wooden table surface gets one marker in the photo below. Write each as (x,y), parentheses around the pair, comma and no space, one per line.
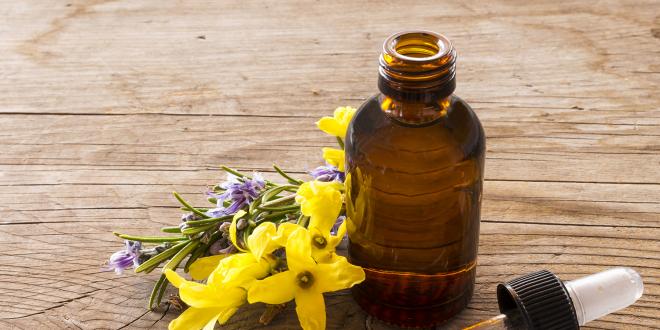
(108,106)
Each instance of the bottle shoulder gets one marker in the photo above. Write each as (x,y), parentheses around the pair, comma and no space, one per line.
(459,128)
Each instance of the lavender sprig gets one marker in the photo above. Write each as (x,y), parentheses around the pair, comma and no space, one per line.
(126,258)
(239,193)
(201,231)
(328,173)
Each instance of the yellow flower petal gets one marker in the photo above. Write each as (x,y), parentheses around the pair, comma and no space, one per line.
(321,201)
(232,229)
(333,241)
(260,241)
(338,275)
(202,267)
(275,289)
(199,295)
(341,231)
(174,278)
(334,157)
(238,269)
(246,276)
(338,123)
(325,252)
(193,318)
(211,324)
(344,114)
(299,251)
(310,308)
(226,313)
(284,230)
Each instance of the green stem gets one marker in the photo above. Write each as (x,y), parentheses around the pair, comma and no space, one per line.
(234,172)
(200,209)
(210,221)
(178,257)
(160,287)
(190,208)
(340,142)
(195,230)
(303,220)
(171,229)
(279,200)
(161,292)
(279,208)
(200,250)
(287,176)
(150,239)
(156,260)
(253,206)
(241,175)
(276,214)
(270,193)
(155,292)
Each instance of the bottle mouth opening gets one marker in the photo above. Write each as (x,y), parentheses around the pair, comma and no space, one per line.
(417,65)
(417,46)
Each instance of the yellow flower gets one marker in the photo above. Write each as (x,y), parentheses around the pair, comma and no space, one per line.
(323,244)
(338,124)
(255,263)
(228,278)
(202,267)
(321,201)
(305,281)
(334,157)
(208,303)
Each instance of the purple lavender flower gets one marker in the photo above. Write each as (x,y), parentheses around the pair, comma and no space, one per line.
(127,258)
(239,193)
(327,173)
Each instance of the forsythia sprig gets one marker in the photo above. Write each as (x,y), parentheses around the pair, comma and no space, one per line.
(261,242)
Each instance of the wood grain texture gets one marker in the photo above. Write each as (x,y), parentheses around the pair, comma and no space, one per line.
(107,106)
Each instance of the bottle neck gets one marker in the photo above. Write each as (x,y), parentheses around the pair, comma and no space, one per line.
(417,76)
(414,112)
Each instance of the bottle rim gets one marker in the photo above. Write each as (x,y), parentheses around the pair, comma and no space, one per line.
(443,44)
(418,66)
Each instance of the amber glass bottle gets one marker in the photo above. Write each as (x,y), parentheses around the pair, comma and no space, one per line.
(414,163)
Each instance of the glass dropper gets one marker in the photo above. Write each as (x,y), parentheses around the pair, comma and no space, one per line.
(540,300)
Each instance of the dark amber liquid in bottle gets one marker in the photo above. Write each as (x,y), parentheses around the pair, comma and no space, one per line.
(415,174)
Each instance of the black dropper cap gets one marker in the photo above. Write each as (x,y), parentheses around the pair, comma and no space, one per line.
(542,300)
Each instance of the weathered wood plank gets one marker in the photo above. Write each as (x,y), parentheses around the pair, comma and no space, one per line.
(107,106)
(539,152)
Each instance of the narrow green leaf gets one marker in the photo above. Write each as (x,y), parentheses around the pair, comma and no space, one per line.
(163,287)
(195,230)
(194,256)
(340,142)
(279,208)
(178,257)
(273,192)
(151,239)
(190,208)
(241,175)
(201,249)
(171,229)
(303,220)
(155,292)
(201,209)
(276,214)
(253,206)
(210,221)
(156,260)
(287,176)
(280,200)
